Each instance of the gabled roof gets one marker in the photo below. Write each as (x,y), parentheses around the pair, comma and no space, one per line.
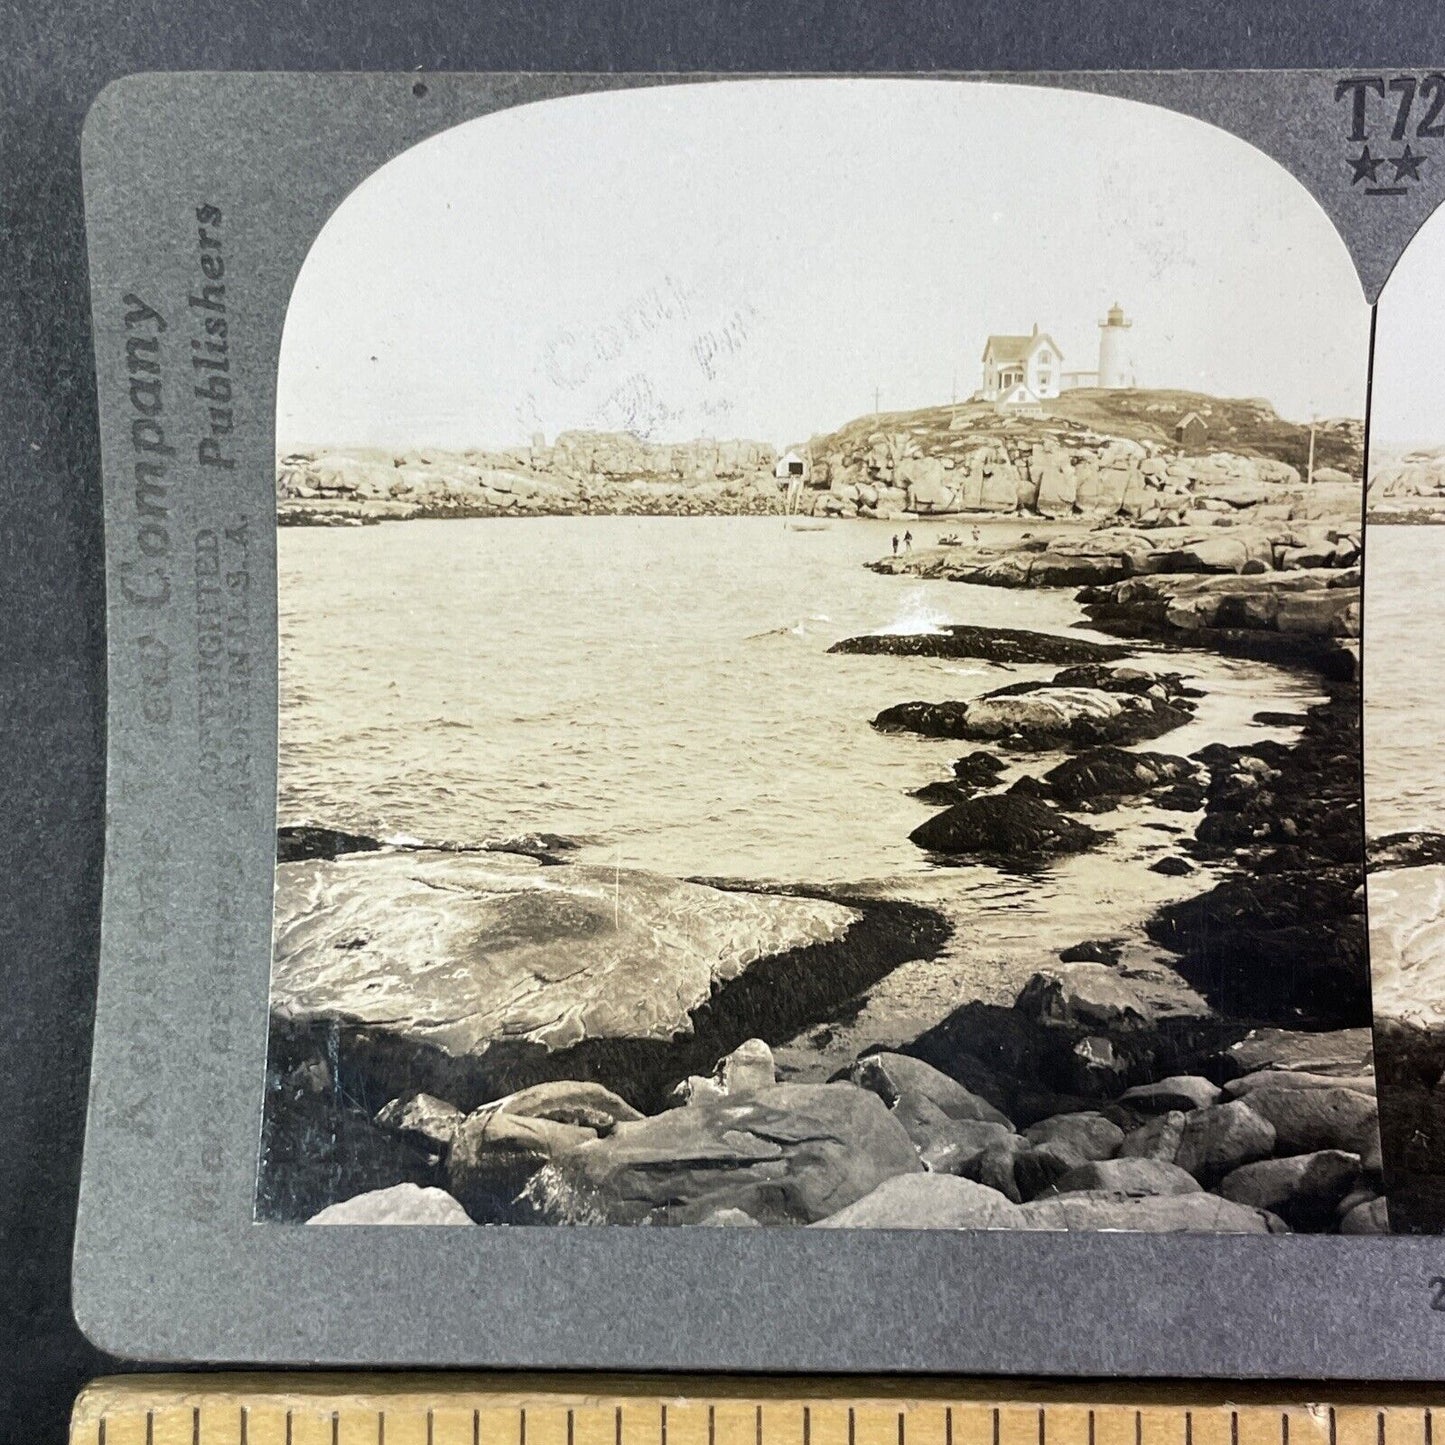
(1018,348)
(1190,416)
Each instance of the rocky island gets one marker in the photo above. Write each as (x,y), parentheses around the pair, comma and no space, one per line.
(1094,453)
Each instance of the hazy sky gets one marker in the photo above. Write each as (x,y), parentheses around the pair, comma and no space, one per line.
(1408,400)
(754,258)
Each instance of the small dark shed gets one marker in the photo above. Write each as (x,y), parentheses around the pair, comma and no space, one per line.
(1190,430)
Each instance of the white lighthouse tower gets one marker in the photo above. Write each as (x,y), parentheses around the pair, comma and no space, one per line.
(1115,370)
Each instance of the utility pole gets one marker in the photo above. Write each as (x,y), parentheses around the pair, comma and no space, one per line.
(877,398)
(1310,474)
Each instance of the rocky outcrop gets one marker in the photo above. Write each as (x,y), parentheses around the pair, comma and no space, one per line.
(1007,645)
(1095,454)
(582,472)
(1003,828)
(1101,777)
(1040,716)
(472,975)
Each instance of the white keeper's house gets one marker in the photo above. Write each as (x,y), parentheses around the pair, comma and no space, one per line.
(1021,370)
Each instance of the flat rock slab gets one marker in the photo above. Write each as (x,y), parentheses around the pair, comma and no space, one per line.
(457,952)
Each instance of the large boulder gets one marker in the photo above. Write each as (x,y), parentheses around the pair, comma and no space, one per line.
(422,1119)
(494,1155)
(945,1145)
(401,1204)
(1107,773)
(1304,1190)
(1158,1138)
(1091,1134)
(927,1201)
(1370,1217)
(1089,994)
(569,1101)
(1341,1051)
(1222,1137)
(894,1076)
(1042,718)
(1127,1177)
(792,1154)
(1307,1120)
(1179,1091)
(1197,1213)
(1003,826)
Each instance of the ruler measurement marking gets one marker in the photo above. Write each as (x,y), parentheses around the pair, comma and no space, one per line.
(947,1425)
(1333,1440)
(662,1425)
(150,1427)
(1091,1427)
(995,1425)
(1429,1428)
(1284,1428)
(571,1425)
(1139,1428)
(1234,1428)
(336,1427)
(758,1435)
(711,1426)
(522,1425)
(381,1427)
(902,1431)
(1189,1427)
(431,1427)
(808,1428)
(852,1427)
(1380,1427)
(476,1427)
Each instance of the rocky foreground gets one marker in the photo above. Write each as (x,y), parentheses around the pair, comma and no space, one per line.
(462,1036)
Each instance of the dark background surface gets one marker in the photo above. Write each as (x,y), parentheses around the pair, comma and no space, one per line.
(57,57)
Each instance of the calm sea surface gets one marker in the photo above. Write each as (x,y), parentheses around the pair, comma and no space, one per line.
(1404,679)
(659,687)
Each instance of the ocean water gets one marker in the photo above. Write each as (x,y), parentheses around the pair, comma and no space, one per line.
(659,688)
(1404,672)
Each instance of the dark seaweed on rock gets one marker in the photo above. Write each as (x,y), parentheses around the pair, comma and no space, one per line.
(1004,826)
(991,644)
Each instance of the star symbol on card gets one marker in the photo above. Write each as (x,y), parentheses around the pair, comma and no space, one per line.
(1365,166)
(1408,163)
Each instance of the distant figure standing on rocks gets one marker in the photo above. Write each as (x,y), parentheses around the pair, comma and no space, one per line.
(976,533)
(908,541)
(895,544)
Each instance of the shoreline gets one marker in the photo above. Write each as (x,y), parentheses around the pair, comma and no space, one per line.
(1086,1033)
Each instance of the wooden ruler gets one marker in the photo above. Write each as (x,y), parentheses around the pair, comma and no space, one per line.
(422,1409)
